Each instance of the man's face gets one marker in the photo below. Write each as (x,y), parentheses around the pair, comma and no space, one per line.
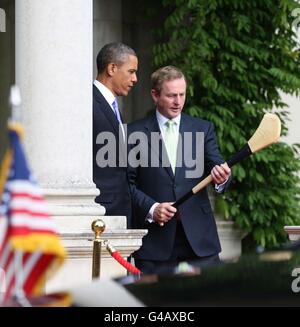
(171,99)
(125,76)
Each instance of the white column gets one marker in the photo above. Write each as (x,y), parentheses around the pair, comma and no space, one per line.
(54,53)
(54,72)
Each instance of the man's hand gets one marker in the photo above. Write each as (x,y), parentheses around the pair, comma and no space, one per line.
(163,213)
(220,173)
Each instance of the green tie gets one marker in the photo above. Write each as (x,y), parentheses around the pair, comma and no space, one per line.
(171,140)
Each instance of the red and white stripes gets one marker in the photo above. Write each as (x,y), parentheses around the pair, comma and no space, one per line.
(23,218)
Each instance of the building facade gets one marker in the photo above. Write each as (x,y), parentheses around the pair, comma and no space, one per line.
(48,49)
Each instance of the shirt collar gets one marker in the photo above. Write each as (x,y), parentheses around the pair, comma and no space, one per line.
(105,91)
(162,119)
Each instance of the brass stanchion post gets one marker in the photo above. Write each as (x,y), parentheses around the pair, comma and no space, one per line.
(98,227)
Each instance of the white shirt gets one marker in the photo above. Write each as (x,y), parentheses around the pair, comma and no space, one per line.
(109,97)
(162,123)
(106,92)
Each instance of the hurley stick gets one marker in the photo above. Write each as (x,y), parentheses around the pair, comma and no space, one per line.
(267,133)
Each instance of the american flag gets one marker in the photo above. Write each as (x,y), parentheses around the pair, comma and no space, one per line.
(29,243)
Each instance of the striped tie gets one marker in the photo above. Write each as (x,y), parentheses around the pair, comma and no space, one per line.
(118,116)
(117,112)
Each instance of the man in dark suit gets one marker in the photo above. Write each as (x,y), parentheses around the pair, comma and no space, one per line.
(117,67)
(189,234)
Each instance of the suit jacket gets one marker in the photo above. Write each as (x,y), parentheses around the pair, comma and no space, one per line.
(158,184)
(111,181)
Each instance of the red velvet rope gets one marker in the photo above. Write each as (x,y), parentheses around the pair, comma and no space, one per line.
(116,255)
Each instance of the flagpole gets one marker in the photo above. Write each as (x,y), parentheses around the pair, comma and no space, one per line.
(15,104)
(15,117)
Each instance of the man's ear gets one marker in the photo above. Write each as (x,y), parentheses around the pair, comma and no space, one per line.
(154,95)
(111,69)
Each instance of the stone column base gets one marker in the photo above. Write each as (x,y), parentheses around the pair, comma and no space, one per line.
(231,240)
(73,201)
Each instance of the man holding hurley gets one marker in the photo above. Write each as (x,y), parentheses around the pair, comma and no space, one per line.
(189,234)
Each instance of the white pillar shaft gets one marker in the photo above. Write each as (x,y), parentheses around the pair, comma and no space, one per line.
(54,72)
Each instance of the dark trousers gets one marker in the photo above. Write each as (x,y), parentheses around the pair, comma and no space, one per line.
(182,251)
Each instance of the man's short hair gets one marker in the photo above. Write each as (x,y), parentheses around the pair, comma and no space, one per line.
(116,53)
(167,73)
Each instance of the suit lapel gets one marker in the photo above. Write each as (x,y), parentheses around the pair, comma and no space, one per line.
(161,151)
(106,109)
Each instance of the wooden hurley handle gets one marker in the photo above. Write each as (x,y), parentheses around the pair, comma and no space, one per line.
(206,181)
